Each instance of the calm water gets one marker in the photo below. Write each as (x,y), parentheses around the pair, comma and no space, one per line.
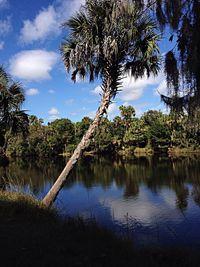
(154,200)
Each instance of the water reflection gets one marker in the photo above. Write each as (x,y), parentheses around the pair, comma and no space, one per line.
(158,193)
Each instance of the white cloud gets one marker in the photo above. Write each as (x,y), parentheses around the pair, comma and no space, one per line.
(67,8)
(53,118)
(1,45)
(32,92)
(51,91)
(112,111)
(133,89)
(112,108)
(53,111)
(126,104)
(3,3)
(161,89)
(91,114)
(97,90)
(143,209)
(44,24)
(33,65)
(5,26)
(162,107)
(48,21)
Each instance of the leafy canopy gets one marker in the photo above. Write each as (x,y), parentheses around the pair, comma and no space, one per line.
(110,38)
(11,99)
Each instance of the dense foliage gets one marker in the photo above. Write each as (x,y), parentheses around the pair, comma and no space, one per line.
(110,39)
(13,119)
(153,131)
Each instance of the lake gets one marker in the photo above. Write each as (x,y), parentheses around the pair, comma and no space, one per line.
(155,200)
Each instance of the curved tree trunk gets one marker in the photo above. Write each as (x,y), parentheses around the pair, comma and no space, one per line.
(51,195)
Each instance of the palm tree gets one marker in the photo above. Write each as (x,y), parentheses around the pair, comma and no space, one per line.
(108,39)
(13,120)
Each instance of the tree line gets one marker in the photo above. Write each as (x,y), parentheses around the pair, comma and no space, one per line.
(154,131)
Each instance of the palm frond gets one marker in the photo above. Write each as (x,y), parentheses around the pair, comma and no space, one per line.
(11,99)
(106,33)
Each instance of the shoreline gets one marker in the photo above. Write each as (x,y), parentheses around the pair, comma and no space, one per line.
(32,235)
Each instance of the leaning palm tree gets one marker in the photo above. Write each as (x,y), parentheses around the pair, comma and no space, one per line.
(108,39)
(13,120)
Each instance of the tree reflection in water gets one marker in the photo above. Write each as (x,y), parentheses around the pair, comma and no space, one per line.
(179,174)
(153,194)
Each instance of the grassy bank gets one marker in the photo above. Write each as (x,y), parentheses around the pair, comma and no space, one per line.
(183,151)
(32,235)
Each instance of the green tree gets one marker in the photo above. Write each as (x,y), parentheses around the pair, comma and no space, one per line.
(118,130)
(13,120)
(107,38)
(158,133)
(37,137)
(127,114)
(136,135)
(81,128)
(63,132)
(103,139)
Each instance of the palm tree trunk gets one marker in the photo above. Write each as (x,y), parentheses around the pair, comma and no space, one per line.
(51,195)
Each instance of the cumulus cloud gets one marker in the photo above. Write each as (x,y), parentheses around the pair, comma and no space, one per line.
(1,45)
(112,109)
(143,208)
(33,65)
(48,21)
(44,24)
(53,111)
(133,89)
(5,26)
(32,92)
(66,8)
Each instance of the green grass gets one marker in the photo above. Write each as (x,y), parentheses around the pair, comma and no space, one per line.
(32,235)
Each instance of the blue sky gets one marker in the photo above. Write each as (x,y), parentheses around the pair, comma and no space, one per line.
(30,36)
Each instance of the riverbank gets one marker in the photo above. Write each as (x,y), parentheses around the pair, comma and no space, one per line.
(32,235)
(146,151)
(176,151)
